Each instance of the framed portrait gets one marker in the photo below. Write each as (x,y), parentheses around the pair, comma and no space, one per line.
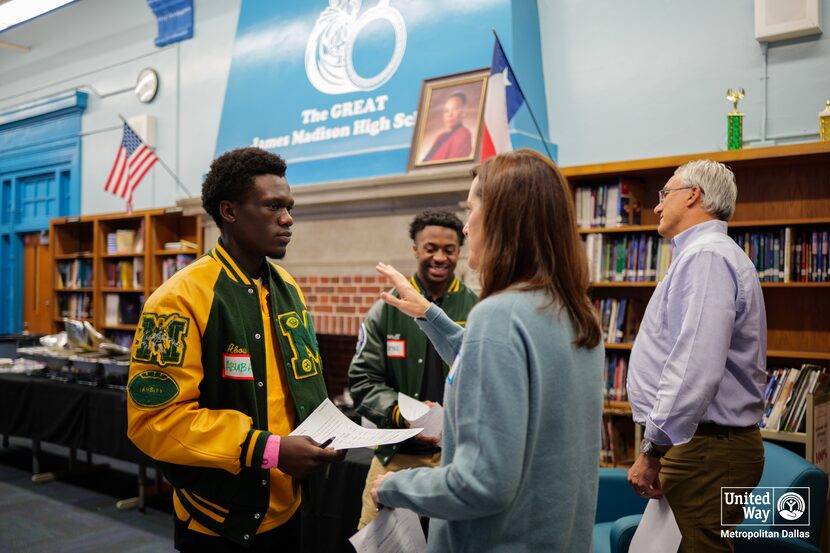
(448,126)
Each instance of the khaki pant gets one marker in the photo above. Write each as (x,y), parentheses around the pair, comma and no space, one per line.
(692,476)
(399,461)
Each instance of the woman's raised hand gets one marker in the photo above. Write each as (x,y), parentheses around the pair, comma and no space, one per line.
(410,302)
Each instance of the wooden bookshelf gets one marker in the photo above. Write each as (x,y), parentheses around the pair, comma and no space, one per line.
(778,187)
(122,251)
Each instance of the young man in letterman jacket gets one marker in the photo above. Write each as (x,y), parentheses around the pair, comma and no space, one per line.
(394,355)
(225,364)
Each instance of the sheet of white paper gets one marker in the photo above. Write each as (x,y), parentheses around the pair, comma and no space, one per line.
(328,422)
(411,408)
(658,531)
(392,531)
(418,414)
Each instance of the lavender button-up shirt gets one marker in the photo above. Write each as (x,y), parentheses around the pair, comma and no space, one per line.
(700,354)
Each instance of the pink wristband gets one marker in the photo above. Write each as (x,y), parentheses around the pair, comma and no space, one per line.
(271,456)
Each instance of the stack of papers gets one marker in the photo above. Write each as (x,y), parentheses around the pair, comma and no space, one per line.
(327,422)
(419,414)
(392,531)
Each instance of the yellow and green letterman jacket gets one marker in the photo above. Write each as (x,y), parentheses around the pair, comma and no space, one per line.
(199,392)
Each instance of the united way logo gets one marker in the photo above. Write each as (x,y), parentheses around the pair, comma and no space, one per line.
(791,506)
(765,506)
(329,53)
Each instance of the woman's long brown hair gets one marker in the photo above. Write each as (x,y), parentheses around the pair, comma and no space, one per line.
(530,238)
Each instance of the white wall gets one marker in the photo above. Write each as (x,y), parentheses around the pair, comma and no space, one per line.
(644,78)
(105,44)
(624,80)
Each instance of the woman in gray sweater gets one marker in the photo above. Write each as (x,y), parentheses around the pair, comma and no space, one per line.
(523,399)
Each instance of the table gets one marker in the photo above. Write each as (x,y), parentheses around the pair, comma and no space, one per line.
(73,415)
(94,419)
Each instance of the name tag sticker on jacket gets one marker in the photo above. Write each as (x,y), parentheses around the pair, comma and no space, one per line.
(237,366)
(396,348)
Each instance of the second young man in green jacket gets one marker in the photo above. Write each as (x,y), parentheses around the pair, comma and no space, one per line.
(394,355)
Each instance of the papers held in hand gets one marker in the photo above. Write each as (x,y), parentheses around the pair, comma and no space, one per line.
(392,531)
(418,413)
(327,421)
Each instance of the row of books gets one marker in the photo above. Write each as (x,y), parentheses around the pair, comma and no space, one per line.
(172,264)
(128,273)
(126,240)
(619,318)
(609,205)
(787,255)
(122,309)
(637,257)
(615,374)
(75,306)
(617,443)
(785,398)
(75,274)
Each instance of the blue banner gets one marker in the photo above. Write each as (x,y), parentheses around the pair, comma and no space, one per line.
(333,86)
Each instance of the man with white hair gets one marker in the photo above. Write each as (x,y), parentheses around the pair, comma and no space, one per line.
(698,367)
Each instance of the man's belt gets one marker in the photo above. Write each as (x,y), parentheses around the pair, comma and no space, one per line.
(712,429)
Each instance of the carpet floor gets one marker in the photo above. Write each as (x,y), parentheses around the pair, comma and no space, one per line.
(75,515)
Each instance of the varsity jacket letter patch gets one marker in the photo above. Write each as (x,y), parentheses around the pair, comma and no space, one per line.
(299,332)
(160,339)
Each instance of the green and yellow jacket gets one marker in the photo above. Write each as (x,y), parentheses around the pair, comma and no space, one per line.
(199,391)
(390,358)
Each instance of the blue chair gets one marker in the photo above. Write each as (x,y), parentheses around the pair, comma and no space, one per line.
(619,509)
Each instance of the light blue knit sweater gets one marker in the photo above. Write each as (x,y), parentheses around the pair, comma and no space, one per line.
(521,433)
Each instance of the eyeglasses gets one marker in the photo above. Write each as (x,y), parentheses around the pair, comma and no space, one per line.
(662,193)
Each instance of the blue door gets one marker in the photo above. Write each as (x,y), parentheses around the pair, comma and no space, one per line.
(29,200)
(40,153)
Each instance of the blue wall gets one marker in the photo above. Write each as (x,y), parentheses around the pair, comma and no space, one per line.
(100,46)
(622,80)
(275,98)
(645,78)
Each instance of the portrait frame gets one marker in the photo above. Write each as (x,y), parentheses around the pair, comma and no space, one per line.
(442,139)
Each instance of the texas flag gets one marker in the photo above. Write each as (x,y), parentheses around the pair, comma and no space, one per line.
(503,101)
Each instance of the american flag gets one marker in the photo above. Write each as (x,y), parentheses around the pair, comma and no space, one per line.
(132,162)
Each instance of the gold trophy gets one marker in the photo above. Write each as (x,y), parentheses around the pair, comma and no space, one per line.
(824,123)
(735,120)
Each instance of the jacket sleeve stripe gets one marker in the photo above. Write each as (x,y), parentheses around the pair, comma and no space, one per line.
(206,503)
(204,510)
(254,448)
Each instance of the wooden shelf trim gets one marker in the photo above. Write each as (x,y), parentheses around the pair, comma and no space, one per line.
(766,223)
(669,163)
(81,289)
(71,256)
(774,353)
(794,437)
(113,289)
(653,284)
(794,354)
(121,255)
(619,345)
(175,252)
